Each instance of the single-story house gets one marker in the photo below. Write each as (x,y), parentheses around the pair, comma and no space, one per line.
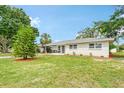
(87,46)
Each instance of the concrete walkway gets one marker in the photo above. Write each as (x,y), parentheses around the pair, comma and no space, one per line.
(1,57)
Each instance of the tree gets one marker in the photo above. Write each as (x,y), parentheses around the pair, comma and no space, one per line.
(112,27)
(10,20)
(87,33)
(121,47)
(4,44)
(24,42)
(45,39)
(35,31)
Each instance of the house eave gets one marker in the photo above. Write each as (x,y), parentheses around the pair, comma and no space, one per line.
(80,41)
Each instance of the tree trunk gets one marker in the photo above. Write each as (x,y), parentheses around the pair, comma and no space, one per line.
(25,57)
(117,45)
(45,51)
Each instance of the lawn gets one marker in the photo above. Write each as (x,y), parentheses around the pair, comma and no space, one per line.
(61,71)
(118,54)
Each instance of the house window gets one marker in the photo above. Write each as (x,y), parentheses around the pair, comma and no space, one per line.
(59,48)
(73,46)
(91,45)
(70,46)
(98,45)
(95,45)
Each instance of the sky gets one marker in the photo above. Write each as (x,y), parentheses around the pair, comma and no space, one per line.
(63,22)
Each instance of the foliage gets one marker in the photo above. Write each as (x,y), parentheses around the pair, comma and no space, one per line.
(10,20)
(111,46)
(118,54)
(108,28)
(87,33)
(45,39)
(121,47)
(61,71)
(24,44)
(35,31)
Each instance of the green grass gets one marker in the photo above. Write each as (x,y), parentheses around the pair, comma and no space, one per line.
(121,54)
(61,71)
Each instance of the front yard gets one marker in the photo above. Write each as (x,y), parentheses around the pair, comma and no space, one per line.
(118,54)
(61,71)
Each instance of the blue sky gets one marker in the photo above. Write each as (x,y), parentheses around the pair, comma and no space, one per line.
(63,22)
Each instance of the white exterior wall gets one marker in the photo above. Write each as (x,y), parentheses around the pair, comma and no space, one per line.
(85,50)
(54,47)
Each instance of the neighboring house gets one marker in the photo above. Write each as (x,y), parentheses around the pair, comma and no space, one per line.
(86,46)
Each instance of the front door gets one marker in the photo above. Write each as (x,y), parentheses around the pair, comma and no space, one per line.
(63,49)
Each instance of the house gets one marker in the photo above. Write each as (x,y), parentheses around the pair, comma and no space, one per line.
(88,46)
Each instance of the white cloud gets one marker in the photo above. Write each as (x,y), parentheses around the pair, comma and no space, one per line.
(122,16)
(35,21)
(56,40)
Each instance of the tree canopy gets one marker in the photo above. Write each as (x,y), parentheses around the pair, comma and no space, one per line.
(45,39)
(107,29)
(10,20)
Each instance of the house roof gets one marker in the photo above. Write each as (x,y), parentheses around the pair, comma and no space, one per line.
(78,41)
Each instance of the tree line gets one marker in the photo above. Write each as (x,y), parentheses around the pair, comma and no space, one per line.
(106,29)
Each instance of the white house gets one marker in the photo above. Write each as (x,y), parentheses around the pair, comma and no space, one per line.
(87,46)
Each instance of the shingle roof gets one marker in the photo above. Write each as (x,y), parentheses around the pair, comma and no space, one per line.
(77,41)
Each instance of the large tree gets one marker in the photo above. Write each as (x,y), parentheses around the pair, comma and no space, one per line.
(87,33)
(112,27)
(4,44)
(10,20)
(45,39)
(107,29)
(24,42)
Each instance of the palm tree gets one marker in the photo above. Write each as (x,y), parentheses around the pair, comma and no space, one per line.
(45,39)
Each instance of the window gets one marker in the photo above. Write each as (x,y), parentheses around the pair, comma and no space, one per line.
(91,45)
(59,48)
(98,45)
(70,46)
(73,46)
(95,45)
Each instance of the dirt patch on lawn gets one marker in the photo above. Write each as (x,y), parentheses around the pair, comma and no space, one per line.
(25,60)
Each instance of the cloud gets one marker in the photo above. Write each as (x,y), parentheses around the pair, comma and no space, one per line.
(56,40)
(35,21)
(122,16)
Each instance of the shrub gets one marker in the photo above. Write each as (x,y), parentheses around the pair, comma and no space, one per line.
(24,42)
